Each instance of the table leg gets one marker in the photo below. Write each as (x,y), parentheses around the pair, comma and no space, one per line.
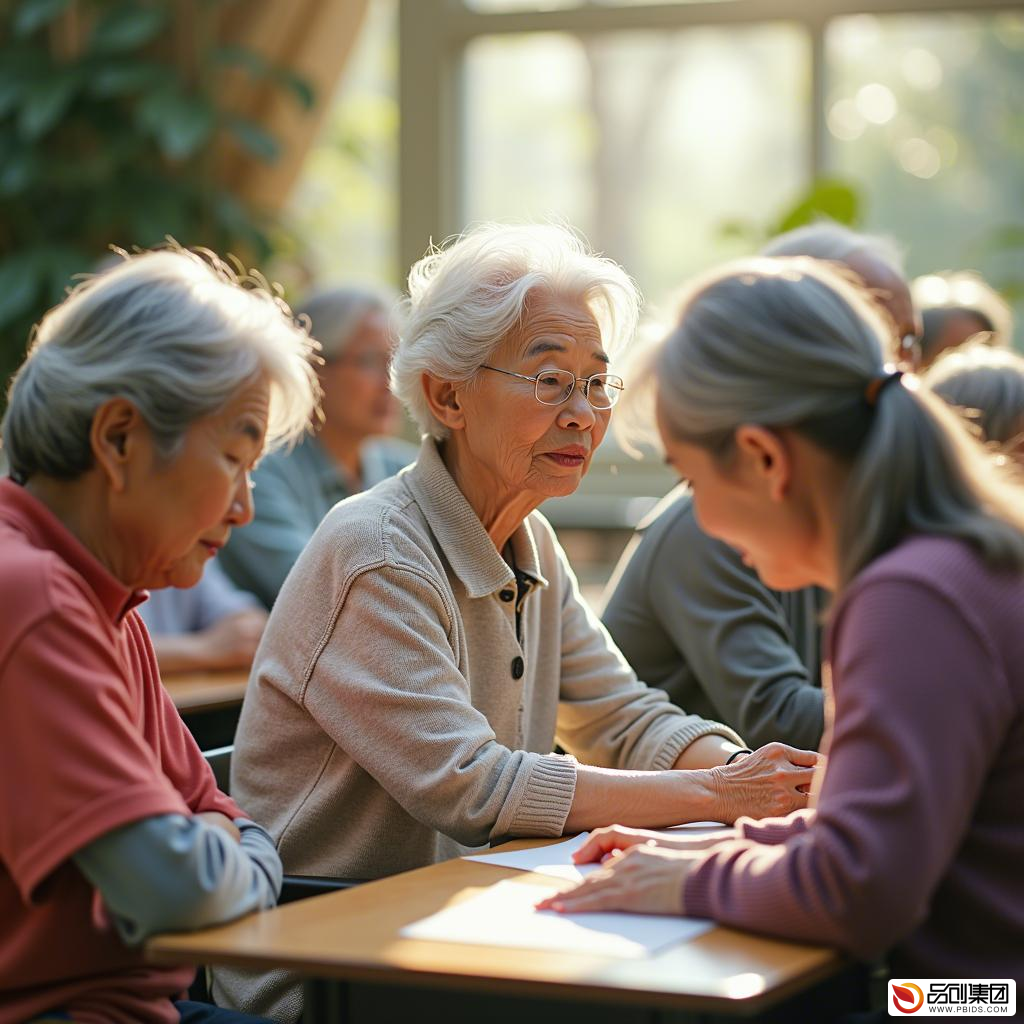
(324,1002)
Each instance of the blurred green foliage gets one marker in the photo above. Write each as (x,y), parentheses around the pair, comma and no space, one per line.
(112,144)
(829,198)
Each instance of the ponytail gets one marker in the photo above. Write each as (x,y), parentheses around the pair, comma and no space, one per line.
(792,343)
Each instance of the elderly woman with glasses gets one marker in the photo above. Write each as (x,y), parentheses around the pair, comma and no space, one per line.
(431,647)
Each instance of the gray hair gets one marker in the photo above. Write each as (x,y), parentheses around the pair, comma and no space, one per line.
(174,332)
(791,343)
(335,313)
(829,240)
(987,385)
(466,296)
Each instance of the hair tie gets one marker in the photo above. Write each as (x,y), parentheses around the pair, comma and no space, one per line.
(876,386)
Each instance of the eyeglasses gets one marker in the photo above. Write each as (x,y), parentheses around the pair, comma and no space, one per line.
(553,387)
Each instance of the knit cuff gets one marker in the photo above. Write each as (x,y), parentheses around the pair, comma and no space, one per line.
(679,741)
(773,831)
(546,798)
(696,898)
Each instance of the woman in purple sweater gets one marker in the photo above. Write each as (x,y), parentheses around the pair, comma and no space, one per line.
(822,466)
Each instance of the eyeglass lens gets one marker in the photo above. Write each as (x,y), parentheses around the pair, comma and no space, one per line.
(555,387)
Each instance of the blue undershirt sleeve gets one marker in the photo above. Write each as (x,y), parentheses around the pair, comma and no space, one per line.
(174,873)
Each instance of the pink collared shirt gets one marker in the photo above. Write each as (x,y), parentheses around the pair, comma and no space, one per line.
(89,742)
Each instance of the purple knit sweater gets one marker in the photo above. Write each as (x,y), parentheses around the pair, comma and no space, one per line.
(916,844)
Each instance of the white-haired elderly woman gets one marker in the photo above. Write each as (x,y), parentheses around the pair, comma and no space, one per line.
(431,648)
(348,451)
(130,431)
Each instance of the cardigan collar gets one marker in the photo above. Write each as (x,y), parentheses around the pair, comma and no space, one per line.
(466,544)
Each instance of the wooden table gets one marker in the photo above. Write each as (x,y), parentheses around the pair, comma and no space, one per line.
(209,704)
(348,939)
(205,691)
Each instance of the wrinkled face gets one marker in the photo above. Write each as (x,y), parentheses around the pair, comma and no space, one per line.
(357,401)
(174,516)
(524,444)
(742,505)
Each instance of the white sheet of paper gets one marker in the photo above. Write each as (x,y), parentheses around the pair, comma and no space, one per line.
(504,915)
(556,859)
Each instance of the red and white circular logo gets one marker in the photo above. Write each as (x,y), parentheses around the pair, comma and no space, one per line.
(906,997)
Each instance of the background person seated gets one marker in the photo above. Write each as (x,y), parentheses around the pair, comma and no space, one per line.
(212,625)
(131,427)
(878,264)
(348,451)
(693,618)
(957,307)
(987,385)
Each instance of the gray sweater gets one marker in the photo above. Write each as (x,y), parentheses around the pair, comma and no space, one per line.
(691,618)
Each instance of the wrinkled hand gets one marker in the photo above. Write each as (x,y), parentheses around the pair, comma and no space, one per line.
(643,879)
(231,642)
(603,842)
(221,821)
(770,782)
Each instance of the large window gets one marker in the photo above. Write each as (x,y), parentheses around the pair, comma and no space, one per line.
(925,116)
(674,135)
(650,143)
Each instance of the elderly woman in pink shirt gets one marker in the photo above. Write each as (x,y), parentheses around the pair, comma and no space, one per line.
(823,466)
(130,431)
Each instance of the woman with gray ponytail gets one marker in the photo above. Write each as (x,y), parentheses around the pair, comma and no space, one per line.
(823,466)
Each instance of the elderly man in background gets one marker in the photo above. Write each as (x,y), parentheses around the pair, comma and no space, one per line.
(431,646)
(131,428)
(349,451)
(693,618)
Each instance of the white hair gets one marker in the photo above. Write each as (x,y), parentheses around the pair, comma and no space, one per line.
(176,333)
(790,343)
(829,240)
(987,385)
(466,296)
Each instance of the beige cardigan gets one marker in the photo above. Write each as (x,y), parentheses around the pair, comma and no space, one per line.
(384,713)
(394,718)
